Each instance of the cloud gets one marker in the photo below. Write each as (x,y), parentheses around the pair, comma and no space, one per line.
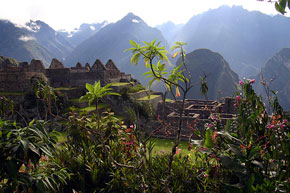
(27,38)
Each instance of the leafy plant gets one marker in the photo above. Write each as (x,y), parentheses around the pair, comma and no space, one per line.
(45,93)
(253,151)
(151,51)
(6,106)
(26,155)
(95,92)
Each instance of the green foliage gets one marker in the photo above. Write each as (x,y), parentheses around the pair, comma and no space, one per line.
(26,156)
(155,73)
(203,87)
(84,152)
(137,88)
(6,106)
(45,93)
(254,150)
(149,51)
(281,5)
(95,92)
(158,72)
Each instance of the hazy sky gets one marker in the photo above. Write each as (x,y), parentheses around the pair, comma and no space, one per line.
(67,14)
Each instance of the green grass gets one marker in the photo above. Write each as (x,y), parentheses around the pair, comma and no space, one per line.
(2,93)
(165,146)
(137,88)
(76,100)
(93,107)
(119,83)
(63,89)
(169,100)
(146,97)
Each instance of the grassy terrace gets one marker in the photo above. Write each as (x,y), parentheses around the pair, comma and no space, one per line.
(169,100)
(63,89)
(120,83)
(147,98)
(2,93)
(161,146)
(75,100)
(165,146)
(93,107)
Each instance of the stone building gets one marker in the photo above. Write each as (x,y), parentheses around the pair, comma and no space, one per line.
(15,77)
(196,114)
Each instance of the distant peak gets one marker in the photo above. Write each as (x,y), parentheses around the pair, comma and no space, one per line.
(130,17)
(33,26)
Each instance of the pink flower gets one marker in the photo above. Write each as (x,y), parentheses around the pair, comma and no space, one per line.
(284,121)
(189,147)
(236,105)
(282,126)
(214,117)
(241,83)
(252,81)
(131,126)
(177,151)
(238,98)
(270,126)
(210,125)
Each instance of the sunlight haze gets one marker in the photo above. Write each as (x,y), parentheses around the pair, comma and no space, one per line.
(68,14)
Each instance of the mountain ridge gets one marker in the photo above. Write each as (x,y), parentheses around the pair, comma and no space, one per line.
(221,79)
(111,41)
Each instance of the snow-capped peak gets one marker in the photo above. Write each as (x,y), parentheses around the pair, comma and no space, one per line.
(32,26)
(135,21)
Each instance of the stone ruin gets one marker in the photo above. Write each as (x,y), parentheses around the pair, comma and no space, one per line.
(196,114)
(15,77)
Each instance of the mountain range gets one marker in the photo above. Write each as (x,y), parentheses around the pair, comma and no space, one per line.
(35,40)
(246,39)
(111,41)
(85,31)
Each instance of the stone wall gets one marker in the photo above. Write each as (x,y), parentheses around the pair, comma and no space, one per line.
(17,77)
(17,81)
(58,77)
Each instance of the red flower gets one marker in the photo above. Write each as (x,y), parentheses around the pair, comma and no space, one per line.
(242,146)
(129,143)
